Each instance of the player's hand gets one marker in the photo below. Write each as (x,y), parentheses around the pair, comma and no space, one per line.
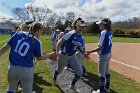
(87,52)
(48,39)
(44,53)
(86,55)
(52,56)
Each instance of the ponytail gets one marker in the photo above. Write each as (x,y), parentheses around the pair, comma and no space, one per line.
(34,28)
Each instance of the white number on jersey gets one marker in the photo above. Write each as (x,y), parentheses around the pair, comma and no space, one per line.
(20,46)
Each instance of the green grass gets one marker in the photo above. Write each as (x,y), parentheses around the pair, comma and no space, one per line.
(126,39)
(91,39)
(119,83)
(94,39)
(43,78)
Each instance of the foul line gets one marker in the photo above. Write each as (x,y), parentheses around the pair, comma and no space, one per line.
(125,64)
(134,67)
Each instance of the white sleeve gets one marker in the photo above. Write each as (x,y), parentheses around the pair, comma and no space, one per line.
(102,37)
(68,35)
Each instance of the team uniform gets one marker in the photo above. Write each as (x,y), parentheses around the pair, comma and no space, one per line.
(60,35)
(22,53)
(80,56)
(54,40)
(104,55)
(67,55)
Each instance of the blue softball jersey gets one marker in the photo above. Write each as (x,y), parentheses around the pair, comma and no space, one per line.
(71,43)
(105,41)
(23,49)
(82,47)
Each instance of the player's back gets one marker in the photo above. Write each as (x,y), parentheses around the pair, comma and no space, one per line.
(23,49)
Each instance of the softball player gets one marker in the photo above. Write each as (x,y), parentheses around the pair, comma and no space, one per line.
(23,27)
(54,39)
(104,55)
(60,35)
(80,56)
(24,47)
(68,45)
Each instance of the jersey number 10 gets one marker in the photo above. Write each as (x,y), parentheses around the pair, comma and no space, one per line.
(19,48)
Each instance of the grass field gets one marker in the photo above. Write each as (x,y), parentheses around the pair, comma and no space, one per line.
(43,78)
(94,39)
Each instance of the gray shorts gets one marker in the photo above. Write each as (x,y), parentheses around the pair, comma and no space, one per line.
(25,74)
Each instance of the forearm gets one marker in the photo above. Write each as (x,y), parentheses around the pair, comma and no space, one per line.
(4,49)
(43,57)
(51,55)
(58,45)
(58,49)
(95,50)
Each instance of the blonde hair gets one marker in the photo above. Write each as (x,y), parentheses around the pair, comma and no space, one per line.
(36,26)
(23,26)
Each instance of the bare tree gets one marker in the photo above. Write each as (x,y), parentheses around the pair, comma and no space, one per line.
(70,16)
(20,13)
(38,13)
(51,20)
(31,12)
(133,23)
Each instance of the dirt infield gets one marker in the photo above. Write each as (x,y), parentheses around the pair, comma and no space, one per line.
(125,58)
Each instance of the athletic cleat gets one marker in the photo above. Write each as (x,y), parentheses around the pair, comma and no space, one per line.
(18,90)
(19,87)
(107,90)
(74,89)
(68,68)
(65,67)
(34,92)
(98,91)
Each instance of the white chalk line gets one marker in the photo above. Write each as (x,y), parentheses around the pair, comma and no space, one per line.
(131,66)
(126,64)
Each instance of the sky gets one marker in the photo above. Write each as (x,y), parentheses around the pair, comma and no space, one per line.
(116,10)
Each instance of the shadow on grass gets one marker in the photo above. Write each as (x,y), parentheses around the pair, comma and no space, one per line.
(59,88)
(38,81)
(93,82)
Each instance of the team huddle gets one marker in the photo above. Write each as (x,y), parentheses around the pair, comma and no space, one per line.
(68,50)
